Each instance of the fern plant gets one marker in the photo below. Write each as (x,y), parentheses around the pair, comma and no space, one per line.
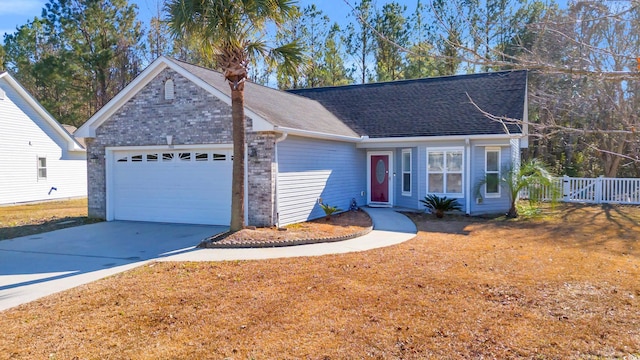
(439,205)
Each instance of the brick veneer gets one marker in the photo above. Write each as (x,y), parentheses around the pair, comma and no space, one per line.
(194,116)
(261,178)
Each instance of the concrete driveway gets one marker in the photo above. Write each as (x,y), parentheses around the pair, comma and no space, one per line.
(35,266)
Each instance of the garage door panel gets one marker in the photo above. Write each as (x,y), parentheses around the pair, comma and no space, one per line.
(182,191)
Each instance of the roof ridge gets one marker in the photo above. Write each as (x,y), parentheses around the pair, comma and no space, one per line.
(456,77)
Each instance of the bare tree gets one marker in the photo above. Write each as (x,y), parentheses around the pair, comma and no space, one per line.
(584,71)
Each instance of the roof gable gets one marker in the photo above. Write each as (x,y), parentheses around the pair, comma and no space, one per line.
(270,109)
(428,107)
(282,109)
(64,136)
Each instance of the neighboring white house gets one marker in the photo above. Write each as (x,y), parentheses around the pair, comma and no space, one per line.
(39,159)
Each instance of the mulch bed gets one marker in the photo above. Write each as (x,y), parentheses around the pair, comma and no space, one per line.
(343,226)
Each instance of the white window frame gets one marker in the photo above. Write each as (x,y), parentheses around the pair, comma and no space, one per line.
(445,172)
(39,167)
(406,171)
(488,150)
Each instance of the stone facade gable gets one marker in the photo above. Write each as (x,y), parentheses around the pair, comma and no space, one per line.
(194,116)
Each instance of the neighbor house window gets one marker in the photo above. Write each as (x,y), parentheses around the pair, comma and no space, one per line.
(406,172)
(42,168)
(492,172)
(444,171)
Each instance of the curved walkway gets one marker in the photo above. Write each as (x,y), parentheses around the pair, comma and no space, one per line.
(35,266)
(389,228)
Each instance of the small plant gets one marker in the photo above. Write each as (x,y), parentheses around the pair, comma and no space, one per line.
(329,210)
(439,205)
(532,174)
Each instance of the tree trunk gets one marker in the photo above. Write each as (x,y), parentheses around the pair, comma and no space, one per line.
(237,187)
(513,211)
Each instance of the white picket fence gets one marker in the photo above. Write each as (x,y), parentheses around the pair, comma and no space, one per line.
(588,190)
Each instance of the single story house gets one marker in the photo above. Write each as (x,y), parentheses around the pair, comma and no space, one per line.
(39,159)
(161,149)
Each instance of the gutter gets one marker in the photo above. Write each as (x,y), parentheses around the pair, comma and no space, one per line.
(367,140)
(315,134)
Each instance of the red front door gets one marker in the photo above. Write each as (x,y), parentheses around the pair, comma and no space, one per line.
(380,178)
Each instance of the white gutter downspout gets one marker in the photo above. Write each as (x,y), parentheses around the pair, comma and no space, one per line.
(467,148)
(277,169)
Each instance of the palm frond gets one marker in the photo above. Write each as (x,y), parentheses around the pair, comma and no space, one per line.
(290,56)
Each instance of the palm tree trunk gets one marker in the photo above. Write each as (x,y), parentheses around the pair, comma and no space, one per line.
(237,187)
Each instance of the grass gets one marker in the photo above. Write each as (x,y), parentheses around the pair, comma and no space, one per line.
(29,219)
(562,285)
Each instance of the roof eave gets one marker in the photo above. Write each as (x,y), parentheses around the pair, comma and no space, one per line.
(317,135)
(367,141)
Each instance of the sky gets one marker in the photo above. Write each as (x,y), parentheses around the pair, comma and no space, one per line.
(14,13)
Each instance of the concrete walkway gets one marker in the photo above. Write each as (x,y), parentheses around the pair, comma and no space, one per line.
(389,228)
(32,267)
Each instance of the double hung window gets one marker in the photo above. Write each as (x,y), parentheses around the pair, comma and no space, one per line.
(406,172)
(444,171)
(492,172)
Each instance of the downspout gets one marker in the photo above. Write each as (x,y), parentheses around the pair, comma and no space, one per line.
(467,149)
(277,168)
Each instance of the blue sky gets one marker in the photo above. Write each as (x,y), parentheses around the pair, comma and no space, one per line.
(18,12)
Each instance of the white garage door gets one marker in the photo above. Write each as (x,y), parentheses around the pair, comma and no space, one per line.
(179,186)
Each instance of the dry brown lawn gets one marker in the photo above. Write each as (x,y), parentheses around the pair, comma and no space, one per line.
(29,219)
(564,286)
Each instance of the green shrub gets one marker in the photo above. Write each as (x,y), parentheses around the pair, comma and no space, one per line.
(439,205)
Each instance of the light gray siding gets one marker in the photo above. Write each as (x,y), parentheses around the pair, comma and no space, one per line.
(489,205)
(401,200)
(473,171)
(309,169)
(26,136)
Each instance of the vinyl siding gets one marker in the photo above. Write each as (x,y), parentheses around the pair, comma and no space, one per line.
(25,136)
(489,205)
(309,169)
(401,200)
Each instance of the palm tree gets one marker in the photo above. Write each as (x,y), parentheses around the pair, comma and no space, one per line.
(229,31)
(514,179)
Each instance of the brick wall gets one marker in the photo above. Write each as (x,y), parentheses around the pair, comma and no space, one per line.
(261,178)
(194,116)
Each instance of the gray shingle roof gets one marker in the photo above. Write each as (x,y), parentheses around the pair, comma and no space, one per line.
(277,107)
(427,107)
